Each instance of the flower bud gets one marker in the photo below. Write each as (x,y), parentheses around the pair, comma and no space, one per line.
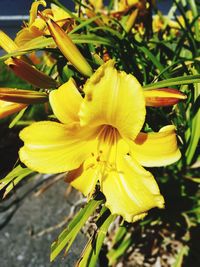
(8,108)
(30,74)
(22,96)
(163,97)
(69,49)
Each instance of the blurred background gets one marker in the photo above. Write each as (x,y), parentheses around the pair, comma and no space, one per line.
(12,13)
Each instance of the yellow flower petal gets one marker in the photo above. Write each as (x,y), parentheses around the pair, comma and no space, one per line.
(7,43)
(156,149)
(85,177)
(65,102)
(97,4)
(59,13)
(34,10)
(29,33)
(51,147)
(113,98)
(130,190)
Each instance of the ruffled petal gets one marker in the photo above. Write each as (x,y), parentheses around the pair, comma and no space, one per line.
(130,190)
(156,149)
(51,147)
(65,102)
(113,98)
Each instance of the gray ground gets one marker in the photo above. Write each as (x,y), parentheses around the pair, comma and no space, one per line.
(18,245)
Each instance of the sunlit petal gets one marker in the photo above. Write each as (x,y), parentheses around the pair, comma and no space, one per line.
(113,98)
(51,147)
(65,102)
(59,13)
(130,190)
(156,149)
(85,177)
(7,43)
(34,10)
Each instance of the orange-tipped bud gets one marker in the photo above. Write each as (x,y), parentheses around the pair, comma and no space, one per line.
(69,49)
(30,74)
(8,108)
(22,96)
(163,97)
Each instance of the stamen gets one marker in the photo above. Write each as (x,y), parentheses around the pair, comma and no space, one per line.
(107,148)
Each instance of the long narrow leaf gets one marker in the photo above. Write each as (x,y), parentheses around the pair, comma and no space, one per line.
(13,178)
(173,81)
(91,252)
(67,237)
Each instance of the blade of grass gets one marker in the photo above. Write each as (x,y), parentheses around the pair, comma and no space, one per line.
(195,15)
(40,43)
(195,127)
(67,237)
(114,254)
(90,255)
(17,173)
(173,81)
(154,60)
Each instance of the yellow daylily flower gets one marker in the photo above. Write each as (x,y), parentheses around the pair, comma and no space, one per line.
(98,140)
(37,26)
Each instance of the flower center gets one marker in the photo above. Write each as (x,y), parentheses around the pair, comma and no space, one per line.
(108,135)
(106,153)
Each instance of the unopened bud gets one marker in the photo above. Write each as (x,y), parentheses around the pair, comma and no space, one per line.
(163,97)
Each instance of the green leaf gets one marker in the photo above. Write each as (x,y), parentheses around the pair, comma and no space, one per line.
(194,179)
(195,13)
(84,23)
(13,178)
(195,127)
(43,42)
(173,81)
(91,252)
(117,252)
(91,39)
(154,60)
(119,234)
(17,118)
(179,260)
(67,237)
(110,30)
